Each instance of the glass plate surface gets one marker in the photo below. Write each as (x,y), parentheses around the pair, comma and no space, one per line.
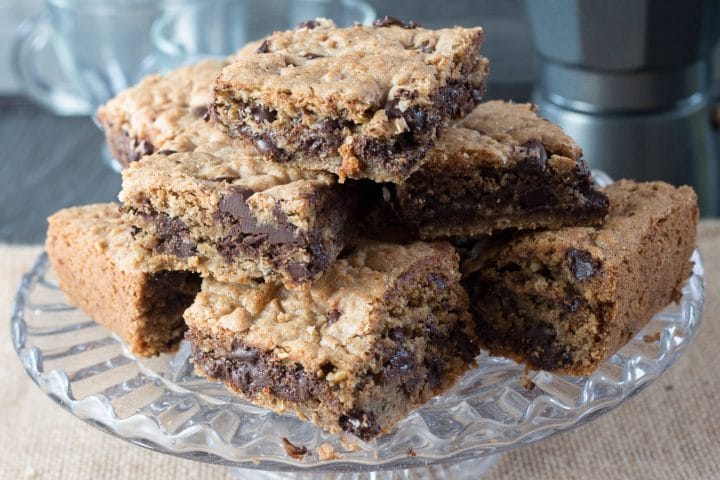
(161,404)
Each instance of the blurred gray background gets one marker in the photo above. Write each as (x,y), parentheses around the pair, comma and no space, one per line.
(50,162)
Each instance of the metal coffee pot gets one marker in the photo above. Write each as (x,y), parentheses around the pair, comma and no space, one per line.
(630,81)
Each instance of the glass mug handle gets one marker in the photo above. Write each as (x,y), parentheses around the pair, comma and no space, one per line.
(32,37)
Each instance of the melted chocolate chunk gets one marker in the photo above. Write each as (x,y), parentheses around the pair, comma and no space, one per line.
(542,337)
(388,21)
(581,264)
(264,47)
(173,235)
(537,198)
(235,204)
(251,371)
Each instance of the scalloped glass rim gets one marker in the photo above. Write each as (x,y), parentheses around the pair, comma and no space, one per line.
(160,404)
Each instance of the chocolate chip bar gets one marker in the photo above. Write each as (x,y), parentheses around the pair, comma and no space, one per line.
(567,300)
(385,329)
(500,167)
(163,112)
(232,216)
(360,102)
(145,309)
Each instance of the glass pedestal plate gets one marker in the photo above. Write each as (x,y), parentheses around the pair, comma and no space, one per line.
(162,405)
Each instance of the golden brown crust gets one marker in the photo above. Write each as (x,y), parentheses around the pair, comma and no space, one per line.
(145,309)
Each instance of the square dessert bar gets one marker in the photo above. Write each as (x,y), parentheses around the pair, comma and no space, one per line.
(232,216)
(145,309)
(567,300)
(361,102)
(162,112)
(500,167)
(385,329)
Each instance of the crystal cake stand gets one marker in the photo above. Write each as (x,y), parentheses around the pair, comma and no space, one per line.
(162,405)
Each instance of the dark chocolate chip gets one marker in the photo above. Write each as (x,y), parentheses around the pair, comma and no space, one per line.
(534,159)
(234,203)
(581,264)
(536,198)
(416,119)
(297,271)
(264,47)
(433,377)
(200,111)
(402,368)
(310,24)
(262,114)
(388,21)
(166,152)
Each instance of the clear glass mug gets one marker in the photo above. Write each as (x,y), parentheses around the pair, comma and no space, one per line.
(193,29)
(79,53)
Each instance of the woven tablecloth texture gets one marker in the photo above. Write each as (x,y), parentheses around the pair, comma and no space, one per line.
(671,430)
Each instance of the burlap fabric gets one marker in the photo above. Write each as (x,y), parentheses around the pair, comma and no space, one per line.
(671,430)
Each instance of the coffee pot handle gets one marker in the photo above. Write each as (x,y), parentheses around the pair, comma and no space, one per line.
(31,39)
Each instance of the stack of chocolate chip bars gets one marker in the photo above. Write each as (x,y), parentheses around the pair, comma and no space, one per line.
(337,225)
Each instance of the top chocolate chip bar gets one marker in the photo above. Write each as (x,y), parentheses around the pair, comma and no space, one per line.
(361,102)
